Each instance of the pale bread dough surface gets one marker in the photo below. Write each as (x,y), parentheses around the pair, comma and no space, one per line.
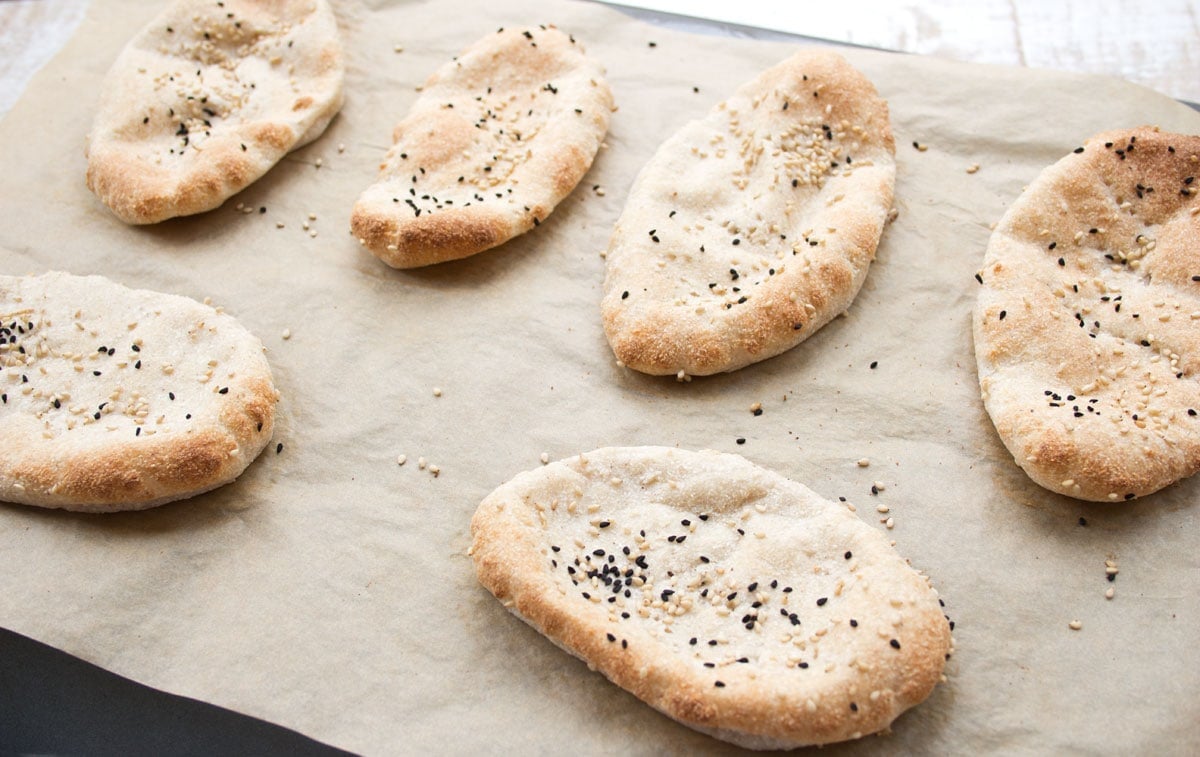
(207,98)
(753,227)
(730,598)
(1087,327)
(119,399)
(498,137)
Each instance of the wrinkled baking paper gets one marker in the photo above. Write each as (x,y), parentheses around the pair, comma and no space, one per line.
(329,589)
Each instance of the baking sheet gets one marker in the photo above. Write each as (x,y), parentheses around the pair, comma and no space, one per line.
(329,589)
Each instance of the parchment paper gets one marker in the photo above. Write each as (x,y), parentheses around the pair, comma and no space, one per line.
(329,590)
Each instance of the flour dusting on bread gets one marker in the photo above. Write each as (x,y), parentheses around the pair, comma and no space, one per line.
(207,98)
(498,137)
(726,596)
(121,399)
(753,227)
(1087,327)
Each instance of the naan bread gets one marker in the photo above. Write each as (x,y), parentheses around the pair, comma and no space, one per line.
(122,399)
(1087,328)
(206,98)
(751,228)
(497,138)
(726,596)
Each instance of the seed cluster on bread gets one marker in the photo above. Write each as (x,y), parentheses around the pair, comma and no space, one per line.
(120,399)
(207,98)
(751,228)
(726,596)
(497,138)
(1087,327)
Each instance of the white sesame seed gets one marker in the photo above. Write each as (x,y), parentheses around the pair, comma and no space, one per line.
(863,462)
(545,457)
(1075,625)
(401,459)
(319,163)
(973,168)
(891,523)
(879,485)
(341,147)
(398,48)
(435,470)
(313,233)
(279,224)
(882,508)
(437,391)
(421,463)
(287,334)
(1110,593)
(312,216)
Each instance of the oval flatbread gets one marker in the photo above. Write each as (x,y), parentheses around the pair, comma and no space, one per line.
(122,399)
(206,98)
(1087,327)
(751,228)
(497,138)
(726,596)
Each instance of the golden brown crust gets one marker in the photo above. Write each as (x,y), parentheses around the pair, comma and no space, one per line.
(178,402)
(1087,327)
(205,99)
(801,635)
(751,229)
(497,139)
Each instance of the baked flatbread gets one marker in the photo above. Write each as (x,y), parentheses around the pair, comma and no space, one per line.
(497,138)
(1087,328)
(751,228)
(206,98)
(726,596)
(122,399)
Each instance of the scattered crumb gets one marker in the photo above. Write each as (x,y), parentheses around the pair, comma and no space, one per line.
(279,224)
(682,377)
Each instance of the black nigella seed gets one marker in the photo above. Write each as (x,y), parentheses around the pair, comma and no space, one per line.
(895,644)
(741,440)
(821,602)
